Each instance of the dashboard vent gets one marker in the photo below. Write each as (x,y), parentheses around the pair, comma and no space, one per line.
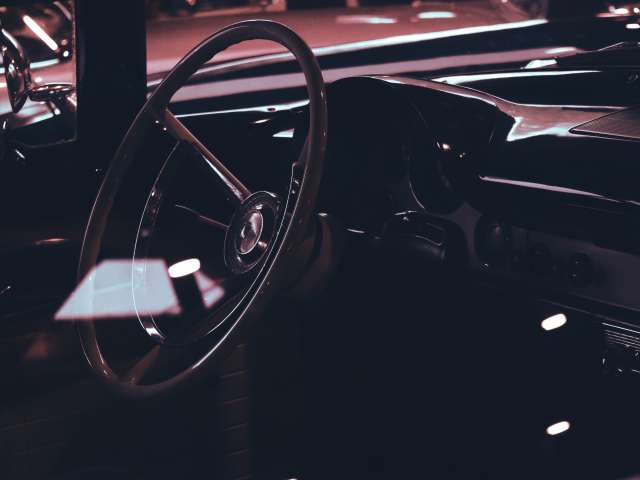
(622,337)
(622,352)
(624,125)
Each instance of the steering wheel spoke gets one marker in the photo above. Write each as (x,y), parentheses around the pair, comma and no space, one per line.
(200,218)
(143,366)
(235,191)
(153,361)
(161,356)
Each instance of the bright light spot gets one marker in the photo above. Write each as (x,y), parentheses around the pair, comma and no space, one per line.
(558,428)
(621,11)
(184,268)
(556,321)
(357,19)
(284,134)
(540,63)
(66,53)
(107,292)
(38,79)
(42,35)
(429,15)
(124,289)
(633,26)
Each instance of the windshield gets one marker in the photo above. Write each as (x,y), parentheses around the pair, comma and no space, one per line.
(444,36)
(338,22)
(45,28)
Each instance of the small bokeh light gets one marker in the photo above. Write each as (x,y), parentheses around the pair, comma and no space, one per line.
(558,428)
(554,322)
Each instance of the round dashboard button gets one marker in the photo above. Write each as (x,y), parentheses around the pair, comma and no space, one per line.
(493,240)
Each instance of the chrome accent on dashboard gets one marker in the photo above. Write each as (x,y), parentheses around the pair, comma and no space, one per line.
(542,186)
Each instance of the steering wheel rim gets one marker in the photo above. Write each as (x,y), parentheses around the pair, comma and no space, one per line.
(298,205)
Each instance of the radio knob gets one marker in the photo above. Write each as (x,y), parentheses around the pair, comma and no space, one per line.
(493,240)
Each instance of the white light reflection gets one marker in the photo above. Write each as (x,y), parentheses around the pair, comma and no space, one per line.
(364,19)
(558,428)
(455,79)
(558,50)
(430,15)
(107,292)
(284,134)
(184,268)
(42,35)
(212,292)
(553,322)
(538,186)
(44,63)
(51,241)
(633,26)
(540,63)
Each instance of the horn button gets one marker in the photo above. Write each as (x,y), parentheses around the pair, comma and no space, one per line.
(250,233)
(251,230)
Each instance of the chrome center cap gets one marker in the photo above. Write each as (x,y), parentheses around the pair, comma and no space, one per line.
(250,233)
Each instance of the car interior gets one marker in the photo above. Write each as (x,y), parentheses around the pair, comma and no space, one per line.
(411,256)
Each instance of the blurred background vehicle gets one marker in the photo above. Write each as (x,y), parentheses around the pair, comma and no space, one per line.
(44,31)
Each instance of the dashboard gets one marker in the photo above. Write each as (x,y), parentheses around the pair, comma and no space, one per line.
(537,197)
(493,174)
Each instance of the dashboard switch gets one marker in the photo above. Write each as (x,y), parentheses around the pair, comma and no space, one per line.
(493,240)
(580,270)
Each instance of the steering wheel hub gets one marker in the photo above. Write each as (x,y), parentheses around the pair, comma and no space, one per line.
(251,231)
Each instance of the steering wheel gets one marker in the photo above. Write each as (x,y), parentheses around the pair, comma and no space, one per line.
(261,241)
